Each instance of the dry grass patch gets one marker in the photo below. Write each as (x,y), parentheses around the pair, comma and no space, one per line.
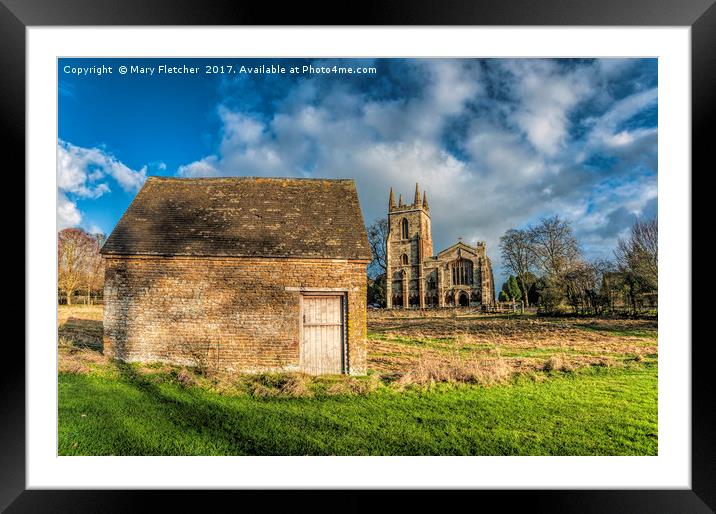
(72,366)
(77,359)
(86,312)
(481,350)
(354,386)
(438,348)
(558,363)
(185,377)
(79,345)
(271,385)
(430,369)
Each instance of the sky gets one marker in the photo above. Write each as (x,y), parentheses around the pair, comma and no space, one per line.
(496,143)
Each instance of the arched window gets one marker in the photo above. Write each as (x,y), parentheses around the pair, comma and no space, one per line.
(404,228)
(461,272)
(404,259)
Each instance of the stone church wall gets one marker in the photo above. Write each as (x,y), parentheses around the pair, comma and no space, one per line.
(426,279)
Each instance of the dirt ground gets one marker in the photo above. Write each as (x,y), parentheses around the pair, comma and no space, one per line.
(521,342)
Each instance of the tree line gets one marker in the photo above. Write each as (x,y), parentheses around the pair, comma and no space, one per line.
(546,267)
(79,264)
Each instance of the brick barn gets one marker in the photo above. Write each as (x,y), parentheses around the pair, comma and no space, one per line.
(239,274)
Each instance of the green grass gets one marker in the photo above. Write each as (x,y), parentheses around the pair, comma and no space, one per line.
(595,411)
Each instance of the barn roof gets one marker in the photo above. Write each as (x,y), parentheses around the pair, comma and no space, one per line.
(243,217)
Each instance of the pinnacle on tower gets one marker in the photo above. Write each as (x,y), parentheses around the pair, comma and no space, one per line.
(391,200)
(425,200)
(416,202)
(400,200)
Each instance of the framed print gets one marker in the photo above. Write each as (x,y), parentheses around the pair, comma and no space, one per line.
(416,251)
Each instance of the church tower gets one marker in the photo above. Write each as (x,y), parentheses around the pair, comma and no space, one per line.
(410,242)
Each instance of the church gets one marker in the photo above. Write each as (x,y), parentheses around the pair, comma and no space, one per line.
(460,275)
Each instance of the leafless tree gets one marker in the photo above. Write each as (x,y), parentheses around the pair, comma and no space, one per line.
(580,285)
(94,273)
(378,241)
(638,253)
(607,286)
(518,257)
(74,247)
(554,246)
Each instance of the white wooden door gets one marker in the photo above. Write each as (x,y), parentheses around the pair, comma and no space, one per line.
(322,344)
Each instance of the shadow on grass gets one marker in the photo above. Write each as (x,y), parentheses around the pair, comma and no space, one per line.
(137,414)
(228,429)
(82,333)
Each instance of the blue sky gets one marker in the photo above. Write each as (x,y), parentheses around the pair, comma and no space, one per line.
(497,143)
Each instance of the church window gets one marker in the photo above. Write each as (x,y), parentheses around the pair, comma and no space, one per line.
(404,259)
(404,228)
(461,272)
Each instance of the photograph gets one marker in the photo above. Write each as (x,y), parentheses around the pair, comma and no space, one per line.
(357,256)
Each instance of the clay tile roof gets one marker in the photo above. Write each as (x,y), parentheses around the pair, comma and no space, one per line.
(243,216)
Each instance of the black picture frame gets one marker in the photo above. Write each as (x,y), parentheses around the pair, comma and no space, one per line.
(700,15)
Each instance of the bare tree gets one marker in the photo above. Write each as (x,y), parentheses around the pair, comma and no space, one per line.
(638,253)
(378,241)
(74,246)
(607,285)
(518,257)
(554,246)
(94,273)
(580,284)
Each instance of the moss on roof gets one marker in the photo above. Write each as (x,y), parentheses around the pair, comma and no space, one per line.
(241,217)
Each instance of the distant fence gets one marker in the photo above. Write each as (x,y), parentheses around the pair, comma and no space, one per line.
(621,311)
(506,307)
(517,308)
(81,299)
(441,312)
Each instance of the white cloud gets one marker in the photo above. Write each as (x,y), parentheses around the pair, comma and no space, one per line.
(67,213)
(74,175)
(604,128)
(452,85)
(239,129)
(518,158)
(84,173)
(496,150)
(79,169)
(545,95)
(205,167)
(95,229)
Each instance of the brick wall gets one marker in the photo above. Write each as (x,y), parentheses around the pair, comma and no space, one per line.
(229,314)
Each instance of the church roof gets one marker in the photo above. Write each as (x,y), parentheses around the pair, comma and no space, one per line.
(243,217)
(459,244)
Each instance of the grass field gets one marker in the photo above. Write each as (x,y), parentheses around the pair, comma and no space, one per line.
(448,386)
